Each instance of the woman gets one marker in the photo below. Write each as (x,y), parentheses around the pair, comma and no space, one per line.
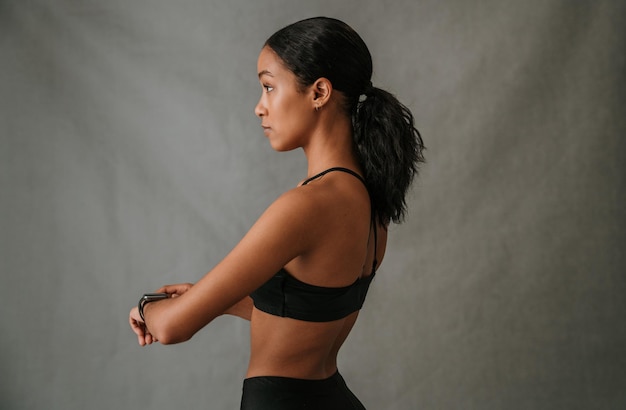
(300,275)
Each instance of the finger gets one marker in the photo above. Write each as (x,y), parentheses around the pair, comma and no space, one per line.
(141,335)
(136,327)
(170,289)
(134,315)
(176,289)
(150,338)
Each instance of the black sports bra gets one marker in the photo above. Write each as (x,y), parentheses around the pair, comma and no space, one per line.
(286,296)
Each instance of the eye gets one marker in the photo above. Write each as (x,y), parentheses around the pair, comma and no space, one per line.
(268,88)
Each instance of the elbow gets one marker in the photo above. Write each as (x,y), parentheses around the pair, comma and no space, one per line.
(171,339)
(172,333)
(172,329)
(170,326)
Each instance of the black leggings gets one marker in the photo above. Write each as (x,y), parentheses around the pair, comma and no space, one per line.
(285,393)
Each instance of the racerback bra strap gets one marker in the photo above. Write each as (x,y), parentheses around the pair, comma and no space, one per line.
(342,169)
(360,178)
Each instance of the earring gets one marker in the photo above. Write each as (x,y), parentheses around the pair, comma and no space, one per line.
(317,108)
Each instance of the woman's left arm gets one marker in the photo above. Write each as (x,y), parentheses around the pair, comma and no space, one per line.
(242,309)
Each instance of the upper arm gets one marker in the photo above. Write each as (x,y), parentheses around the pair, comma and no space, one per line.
(278,236)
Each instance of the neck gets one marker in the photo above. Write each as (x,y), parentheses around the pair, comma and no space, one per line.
(331,145)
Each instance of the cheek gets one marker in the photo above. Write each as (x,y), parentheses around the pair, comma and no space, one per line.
(291,120)
(286,115)
(297,126)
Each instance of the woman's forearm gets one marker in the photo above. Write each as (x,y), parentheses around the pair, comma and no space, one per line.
(163,322)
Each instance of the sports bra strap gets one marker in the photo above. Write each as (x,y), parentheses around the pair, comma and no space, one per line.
(375,262)
(373,220)
(342,169)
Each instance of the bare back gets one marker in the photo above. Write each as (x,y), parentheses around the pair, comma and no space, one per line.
(343,252)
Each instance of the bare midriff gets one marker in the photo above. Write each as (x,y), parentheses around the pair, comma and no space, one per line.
(293,348)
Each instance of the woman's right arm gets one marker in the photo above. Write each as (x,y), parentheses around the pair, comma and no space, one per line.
(242,309)
(287,229)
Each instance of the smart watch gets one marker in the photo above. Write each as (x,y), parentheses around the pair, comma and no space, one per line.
(147,298)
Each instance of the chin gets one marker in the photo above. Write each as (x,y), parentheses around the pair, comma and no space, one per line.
(278,147)
(282,149)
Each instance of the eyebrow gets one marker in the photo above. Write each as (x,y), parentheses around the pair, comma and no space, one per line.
(265,72)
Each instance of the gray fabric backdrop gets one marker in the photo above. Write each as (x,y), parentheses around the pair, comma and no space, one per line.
(130,157)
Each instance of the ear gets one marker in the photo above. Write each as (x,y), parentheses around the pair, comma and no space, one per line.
(322,90)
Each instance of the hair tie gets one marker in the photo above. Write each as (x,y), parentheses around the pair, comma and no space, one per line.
(369,88)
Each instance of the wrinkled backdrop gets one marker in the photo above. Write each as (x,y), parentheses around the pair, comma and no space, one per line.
(130,157)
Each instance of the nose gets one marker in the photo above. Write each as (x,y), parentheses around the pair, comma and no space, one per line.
(260,110)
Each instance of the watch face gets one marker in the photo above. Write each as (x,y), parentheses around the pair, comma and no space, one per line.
(149,297)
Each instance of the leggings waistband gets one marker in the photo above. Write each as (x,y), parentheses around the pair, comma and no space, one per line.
(297,384)
(288,393)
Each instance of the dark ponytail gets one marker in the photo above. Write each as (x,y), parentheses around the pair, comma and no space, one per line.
(390,150)
(388,145)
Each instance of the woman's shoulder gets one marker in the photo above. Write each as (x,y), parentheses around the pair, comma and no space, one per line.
(321,202)
(302,201)
(306,206)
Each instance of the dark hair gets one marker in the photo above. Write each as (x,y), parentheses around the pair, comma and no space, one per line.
(388,145)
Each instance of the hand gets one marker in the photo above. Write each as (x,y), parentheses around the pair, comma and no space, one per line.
(175,290)
(144,337)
